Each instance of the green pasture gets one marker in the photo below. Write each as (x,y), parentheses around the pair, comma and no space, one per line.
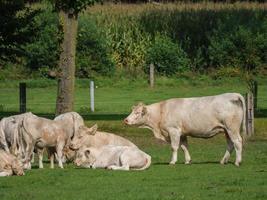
(205,178)
(115,96)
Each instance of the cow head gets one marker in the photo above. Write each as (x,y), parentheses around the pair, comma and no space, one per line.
(80,138)
(137,116)
(17,167)
(68,154)
(84,158)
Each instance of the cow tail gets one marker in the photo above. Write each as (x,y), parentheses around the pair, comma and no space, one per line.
(148,163)
(244,127)
(3,136)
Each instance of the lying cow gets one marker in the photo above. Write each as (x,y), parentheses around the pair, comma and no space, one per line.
(113,157)
(204,117)
(90,137)
(43,133)
(10,165)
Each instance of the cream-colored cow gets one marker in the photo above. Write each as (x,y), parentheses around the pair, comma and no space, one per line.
(90,137)
(204,117)
(10,165)
(113,157)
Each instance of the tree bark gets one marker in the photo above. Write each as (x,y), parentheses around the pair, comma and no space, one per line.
(65,95)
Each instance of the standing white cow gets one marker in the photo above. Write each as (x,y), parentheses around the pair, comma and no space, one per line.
(113,157)
(9,135)
(70,121)
(10,165)
(43,133)
(204,117)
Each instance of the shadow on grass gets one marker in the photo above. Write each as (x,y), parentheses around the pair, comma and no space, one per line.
(193,163)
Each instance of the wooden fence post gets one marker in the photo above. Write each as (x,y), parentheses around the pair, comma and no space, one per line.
(92,96)
(250,113)
(151,75)
(22,97)
(255,93)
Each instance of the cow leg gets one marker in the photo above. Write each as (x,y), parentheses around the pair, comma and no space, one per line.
(229,149)
(60,147)
(52,157)
(32,161)
(6,173)
(237,141)
(123,167)
(175,143)
(184,146)
(40,153)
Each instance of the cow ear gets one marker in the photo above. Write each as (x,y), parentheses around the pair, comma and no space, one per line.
(87,152)
(92,130)
(144,111)
(140,104)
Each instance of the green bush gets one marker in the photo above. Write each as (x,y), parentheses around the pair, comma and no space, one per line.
(167,56)
(239,48)
(43,52)
(93,54)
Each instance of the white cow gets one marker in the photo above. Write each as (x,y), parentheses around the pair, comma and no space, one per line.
(10,165)
(204,117)
(90,137)
(9,135)
(113,157)
(42,133)
(71,121)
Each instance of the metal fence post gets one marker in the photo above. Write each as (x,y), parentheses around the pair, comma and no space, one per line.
(22,97)
(250,113)
(151,75)
(92,96)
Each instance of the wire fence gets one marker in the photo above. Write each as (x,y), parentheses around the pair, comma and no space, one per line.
(43,101)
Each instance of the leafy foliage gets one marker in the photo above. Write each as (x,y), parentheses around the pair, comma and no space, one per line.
(168,57)
(43,52)
(93,53)
(74,6)
(16,28)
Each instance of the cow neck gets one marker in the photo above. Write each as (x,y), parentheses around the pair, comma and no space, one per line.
(151,120)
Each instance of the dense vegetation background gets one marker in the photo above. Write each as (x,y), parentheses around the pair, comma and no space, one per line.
(123,39)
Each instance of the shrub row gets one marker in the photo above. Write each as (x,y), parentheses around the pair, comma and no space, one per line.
(128,38)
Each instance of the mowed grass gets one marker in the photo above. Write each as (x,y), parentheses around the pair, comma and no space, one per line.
(118,96)
(205,178)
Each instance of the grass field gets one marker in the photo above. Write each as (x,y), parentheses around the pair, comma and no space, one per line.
(205,178)
(118,96)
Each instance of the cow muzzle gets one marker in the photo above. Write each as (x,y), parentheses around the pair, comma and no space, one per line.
(126,121)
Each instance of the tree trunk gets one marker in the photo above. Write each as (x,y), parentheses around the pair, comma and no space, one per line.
(65,96)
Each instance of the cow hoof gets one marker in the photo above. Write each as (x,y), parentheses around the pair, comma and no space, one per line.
(237,164)
(223,162)
(188,162)
(172,163)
